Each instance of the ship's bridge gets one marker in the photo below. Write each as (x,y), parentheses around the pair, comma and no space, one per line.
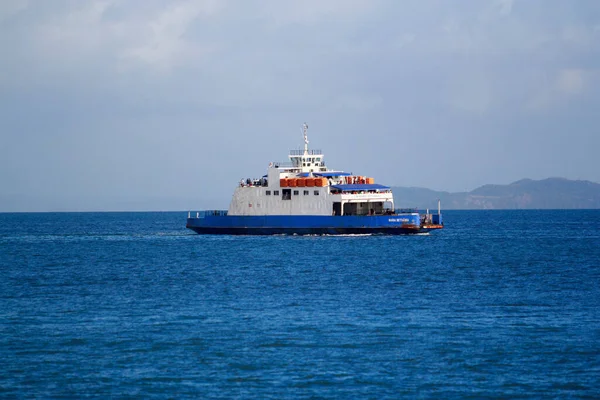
(309,161)
(306,160)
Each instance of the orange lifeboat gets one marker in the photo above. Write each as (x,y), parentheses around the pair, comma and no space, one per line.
(310,182)
(300,182)
(292,182)
(320,182)
(283,182)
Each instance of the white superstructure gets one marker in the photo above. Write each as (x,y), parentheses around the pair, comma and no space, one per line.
(305,186)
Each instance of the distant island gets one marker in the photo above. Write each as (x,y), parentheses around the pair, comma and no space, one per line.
(551,193)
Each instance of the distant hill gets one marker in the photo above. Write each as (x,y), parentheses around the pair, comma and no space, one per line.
(551,193)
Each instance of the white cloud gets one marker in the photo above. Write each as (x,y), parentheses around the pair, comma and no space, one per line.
(10,8)
(570,81)
(470,91)
(404,40)
(151,37)
(505,6)
(309,12)
(356,102)
(266,49)
(565,85)
(165,45)
(70,39)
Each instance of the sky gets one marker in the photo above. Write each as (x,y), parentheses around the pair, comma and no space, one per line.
(166,105)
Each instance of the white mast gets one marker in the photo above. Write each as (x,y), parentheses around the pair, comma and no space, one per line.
(305,132)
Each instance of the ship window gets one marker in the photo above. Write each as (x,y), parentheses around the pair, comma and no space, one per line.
(276,192)
(286,194)
(296,192)
(268,192)
(316,192)
(318,158)
(306,192)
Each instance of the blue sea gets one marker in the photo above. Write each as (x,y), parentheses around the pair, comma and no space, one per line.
(499,304)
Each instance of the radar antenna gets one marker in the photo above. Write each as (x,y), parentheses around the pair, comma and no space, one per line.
(305,132)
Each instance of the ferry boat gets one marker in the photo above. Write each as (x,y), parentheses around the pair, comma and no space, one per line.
(304,197)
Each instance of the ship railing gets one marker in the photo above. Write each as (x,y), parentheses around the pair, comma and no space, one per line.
(207,213)
(310,152)
(249,182)
(362,192)
(405,210)
(282,164)
(427,217)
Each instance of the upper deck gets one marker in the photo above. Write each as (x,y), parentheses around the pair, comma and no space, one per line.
(305,186)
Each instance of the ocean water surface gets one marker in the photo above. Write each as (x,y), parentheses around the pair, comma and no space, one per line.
(498,304)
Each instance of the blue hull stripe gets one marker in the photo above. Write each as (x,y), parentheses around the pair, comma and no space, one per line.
(307,231)
(305,225)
